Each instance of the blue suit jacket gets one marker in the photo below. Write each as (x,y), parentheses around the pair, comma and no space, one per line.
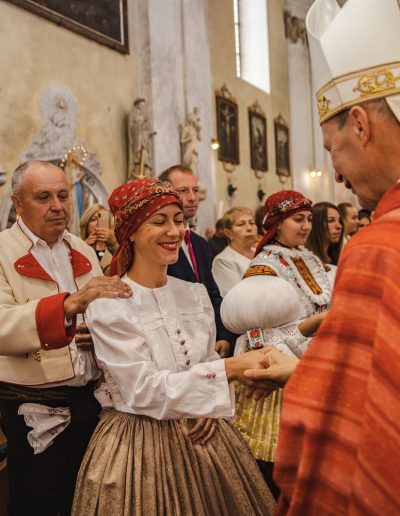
(183,270)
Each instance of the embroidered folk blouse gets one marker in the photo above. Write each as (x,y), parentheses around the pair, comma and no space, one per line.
(157,351)
(282,287)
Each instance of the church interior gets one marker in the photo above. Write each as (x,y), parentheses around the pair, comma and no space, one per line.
(118,90)
(78,77)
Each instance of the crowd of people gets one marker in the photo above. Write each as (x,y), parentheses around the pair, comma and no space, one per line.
(147,371)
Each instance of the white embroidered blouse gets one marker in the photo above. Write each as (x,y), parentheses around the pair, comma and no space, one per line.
(157,351)
(285,286)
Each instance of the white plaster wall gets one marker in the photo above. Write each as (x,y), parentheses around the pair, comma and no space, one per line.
(167,80)
(198,92)
(224,72)
(35,52)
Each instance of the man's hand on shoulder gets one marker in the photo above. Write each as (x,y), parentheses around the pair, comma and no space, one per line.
(100,286)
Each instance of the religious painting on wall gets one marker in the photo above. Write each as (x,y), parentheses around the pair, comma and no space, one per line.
(258,138)
(105,21)
(227,127)
(282,147)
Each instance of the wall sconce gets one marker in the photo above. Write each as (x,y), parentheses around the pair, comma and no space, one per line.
(214,144)
(315,173)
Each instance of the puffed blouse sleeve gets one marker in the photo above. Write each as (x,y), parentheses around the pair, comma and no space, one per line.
(260,302)
(138,385)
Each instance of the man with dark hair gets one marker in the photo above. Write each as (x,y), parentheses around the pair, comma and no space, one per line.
(48,277)
(194,262)
(339,438)
(218,242)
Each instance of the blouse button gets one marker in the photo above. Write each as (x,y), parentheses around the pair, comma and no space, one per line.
(182,342)
(187,362)
(185,352)
(178,331)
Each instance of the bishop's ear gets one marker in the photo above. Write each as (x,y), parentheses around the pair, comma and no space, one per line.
(360,123)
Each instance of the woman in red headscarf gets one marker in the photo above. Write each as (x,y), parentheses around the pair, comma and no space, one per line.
(281,301)
(148,456)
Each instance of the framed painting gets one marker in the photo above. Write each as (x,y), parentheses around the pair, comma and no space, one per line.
(104,21)
(282,147)
(227,130)
(258,140)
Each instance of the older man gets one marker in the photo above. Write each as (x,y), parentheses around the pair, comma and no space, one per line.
(340,434)
(47,278)
(194,262)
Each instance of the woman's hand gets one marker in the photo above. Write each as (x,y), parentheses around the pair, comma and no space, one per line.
(279,368)
(105,235)
(235,366)
(91,239)
(310,325)
(222,348)
(204,429)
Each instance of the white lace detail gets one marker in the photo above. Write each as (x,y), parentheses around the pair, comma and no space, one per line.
(287,337)
(46,422)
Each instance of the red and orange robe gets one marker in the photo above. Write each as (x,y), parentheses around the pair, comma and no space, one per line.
(339,443)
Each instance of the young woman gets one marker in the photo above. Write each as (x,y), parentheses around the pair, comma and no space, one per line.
(281,302)
(229,266)
(99,236)
(147,455)
(326,236)
(350,220)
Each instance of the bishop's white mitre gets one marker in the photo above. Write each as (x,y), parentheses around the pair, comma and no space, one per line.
(355,53)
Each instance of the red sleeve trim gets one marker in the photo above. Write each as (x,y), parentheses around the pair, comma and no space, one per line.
(50,322)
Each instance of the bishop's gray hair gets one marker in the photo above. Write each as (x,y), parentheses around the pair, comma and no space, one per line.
(19,173)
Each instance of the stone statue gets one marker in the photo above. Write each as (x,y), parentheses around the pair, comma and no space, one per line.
(190,135)
(139,136)
(59,111)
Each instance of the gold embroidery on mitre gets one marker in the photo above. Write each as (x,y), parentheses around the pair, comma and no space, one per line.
(377,82)
(307,276)
(323,105)
(259,270)
(363,85)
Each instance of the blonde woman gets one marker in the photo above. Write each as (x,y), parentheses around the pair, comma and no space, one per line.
(241,231)
(97,230)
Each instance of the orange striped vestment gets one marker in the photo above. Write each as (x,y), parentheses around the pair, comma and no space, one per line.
(339,443)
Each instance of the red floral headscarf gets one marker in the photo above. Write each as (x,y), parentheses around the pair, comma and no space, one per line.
(278,207)
(132,204)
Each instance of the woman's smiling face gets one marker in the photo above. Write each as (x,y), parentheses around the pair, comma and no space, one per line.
(159,238)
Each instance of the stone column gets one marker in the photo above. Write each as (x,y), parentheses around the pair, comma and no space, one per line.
(174,76)
(306,136)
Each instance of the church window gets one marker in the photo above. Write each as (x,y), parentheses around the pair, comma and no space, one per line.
(251,42)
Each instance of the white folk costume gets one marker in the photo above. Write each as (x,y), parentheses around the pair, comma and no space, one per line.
(282,287)
(157,351)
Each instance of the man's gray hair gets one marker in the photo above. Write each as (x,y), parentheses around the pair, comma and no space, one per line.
(19,173)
